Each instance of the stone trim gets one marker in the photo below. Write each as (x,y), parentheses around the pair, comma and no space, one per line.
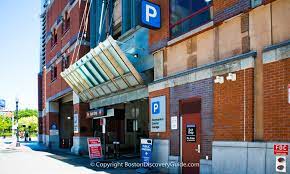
(190,33)
(276,52)
(59,94)
(232,64)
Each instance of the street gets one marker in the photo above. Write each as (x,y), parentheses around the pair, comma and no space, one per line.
(33,158)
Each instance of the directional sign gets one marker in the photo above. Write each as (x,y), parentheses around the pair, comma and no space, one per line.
(146,150)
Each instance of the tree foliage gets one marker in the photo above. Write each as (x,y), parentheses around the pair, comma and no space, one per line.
(31,121)
(5,124)
(27,113)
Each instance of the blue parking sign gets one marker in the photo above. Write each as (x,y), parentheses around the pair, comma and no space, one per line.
(150,14)
(155,107)
(146,150)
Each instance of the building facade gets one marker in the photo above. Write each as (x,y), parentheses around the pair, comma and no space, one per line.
(223,68)
(62,42)
(208,82)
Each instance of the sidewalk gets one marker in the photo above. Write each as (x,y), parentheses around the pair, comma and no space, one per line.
(112,166)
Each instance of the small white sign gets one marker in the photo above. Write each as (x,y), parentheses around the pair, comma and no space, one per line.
(76,123)
(281,164)
(53,132)
(289,93)
(174,122)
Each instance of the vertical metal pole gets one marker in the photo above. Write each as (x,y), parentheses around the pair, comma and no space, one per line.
(17,131)
(13,126)
(180,140)
(104,136)
(134,128)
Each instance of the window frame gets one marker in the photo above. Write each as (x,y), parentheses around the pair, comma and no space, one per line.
(54,38)
(65,62)
(53,73)
(65,26)
(185,19)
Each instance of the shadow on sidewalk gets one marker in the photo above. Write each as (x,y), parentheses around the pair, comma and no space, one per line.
(83,161)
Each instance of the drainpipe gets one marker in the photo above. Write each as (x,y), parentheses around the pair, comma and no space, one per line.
(101,22)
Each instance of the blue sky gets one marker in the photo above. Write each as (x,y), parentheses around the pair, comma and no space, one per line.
(19,52)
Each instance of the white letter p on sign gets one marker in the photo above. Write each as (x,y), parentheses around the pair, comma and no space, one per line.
(148,14)
(155,107)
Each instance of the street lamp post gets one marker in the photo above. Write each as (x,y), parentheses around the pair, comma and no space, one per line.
(17,130)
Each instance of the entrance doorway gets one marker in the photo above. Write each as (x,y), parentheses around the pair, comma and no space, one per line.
(191,132)
(66,125)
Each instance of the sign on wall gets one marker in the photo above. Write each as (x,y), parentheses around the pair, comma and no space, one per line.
(280,149)
(150,15)
(2,103)
(76,123)
(174,122)
(158,114)
(289,93)
(96,113)
(191,133)
(95,147)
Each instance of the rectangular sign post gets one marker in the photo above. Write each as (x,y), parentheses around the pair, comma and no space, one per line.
(95,147)
(146,150)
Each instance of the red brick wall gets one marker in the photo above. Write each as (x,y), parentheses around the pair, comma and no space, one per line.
(158,38)
(39,92)
(229,108)
(40,125)
(43,92)
(225,9)
(85,127)
(276,106)
(51,117)
(75,14)
(162,135)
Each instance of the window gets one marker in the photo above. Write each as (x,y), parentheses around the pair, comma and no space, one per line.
(66,23)
(54,38)
(53,73)
(130,14)
(65,63)
(117,19)
(187,15)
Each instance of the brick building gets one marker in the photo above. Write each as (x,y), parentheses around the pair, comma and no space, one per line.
(61,22)
(223,68)
(210,87)
(102,90)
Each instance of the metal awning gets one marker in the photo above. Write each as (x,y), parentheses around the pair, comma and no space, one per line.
(102,71)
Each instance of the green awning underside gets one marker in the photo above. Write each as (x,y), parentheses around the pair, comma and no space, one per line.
(102,71)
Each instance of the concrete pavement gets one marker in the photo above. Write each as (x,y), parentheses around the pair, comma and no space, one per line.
(32,158)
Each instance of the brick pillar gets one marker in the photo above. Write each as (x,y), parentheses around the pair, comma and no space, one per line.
(83,129)
(52,125)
